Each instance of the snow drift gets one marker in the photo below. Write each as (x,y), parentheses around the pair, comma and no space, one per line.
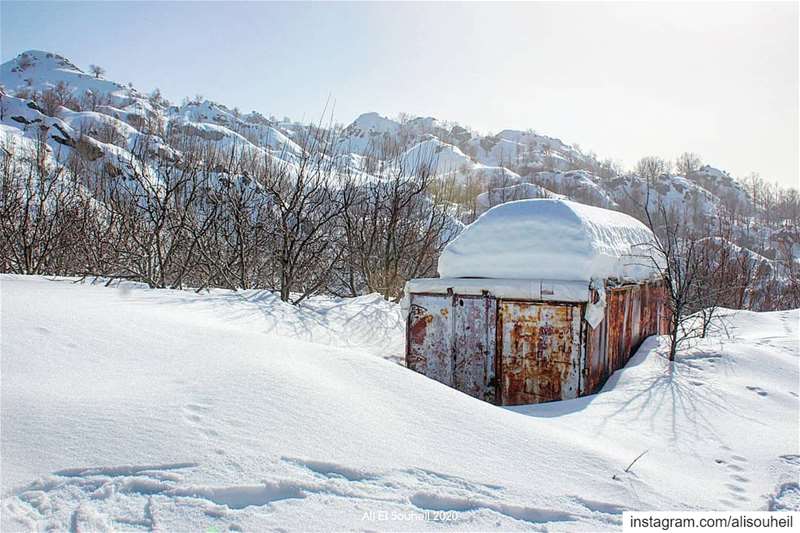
(550,239)
(137,409)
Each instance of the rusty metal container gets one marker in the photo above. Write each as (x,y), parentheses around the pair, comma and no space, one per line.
(535,348)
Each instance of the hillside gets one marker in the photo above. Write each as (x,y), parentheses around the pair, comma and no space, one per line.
(175,411)
(104,119)
(116,145)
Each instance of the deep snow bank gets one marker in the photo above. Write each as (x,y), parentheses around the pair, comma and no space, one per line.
(126,408)
(550,239)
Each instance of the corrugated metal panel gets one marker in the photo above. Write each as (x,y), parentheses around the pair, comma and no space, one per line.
(633,313)
(539,347)
(513,352)
(429,348)
(596,366)
(635,318)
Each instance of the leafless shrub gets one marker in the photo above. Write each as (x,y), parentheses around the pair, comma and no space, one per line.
(40,212)
(51,100)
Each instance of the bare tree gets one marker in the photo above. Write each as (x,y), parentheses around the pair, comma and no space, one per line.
(308,199)
(396,226)
(677,257)
(97,70)
(651,168)
(51,100)
(687,163)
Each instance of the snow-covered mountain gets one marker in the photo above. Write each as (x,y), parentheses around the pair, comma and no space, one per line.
(102,119)
(102,122)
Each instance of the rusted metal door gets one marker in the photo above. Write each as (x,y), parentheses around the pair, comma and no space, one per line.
(475,319)
(451,339)
(429,347)
(540,348)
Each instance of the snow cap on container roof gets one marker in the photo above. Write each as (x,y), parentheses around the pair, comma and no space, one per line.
(550,239)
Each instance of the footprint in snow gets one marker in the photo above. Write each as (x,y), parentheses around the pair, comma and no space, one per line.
(758,390)
(737,489)
(734,488)
(790,458)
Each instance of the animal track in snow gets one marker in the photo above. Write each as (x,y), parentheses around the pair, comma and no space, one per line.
(148,496)
(195,415)
(126,470)
(737,489)
(241,496)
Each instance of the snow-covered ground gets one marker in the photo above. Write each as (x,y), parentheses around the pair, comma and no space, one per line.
(130,408)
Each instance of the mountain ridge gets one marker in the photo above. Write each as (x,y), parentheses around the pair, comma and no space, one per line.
(46,96)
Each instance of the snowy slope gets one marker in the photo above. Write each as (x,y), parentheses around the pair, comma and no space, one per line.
(36,70)
(580,185)
(674,192)
(508,158)
(129,408)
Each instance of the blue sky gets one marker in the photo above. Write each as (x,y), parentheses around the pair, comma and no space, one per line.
(623,80)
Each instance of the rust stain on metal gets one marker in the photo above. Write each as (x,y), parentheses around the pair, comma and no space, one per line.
(429,343)
(452,341)
(419,328)
(539,352)
(512,352)
(633,313)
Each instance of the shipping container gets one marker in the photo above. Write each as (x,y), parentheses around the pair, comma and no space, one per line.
(513,342)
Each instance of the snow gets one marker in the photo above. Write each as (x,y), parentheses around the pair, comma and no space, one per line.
(366,133)
(23,120)
(37,70)
(550,239)
(508,158)
(580,184)
(525,289)
(673,192)
(444,158)
(132,408)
